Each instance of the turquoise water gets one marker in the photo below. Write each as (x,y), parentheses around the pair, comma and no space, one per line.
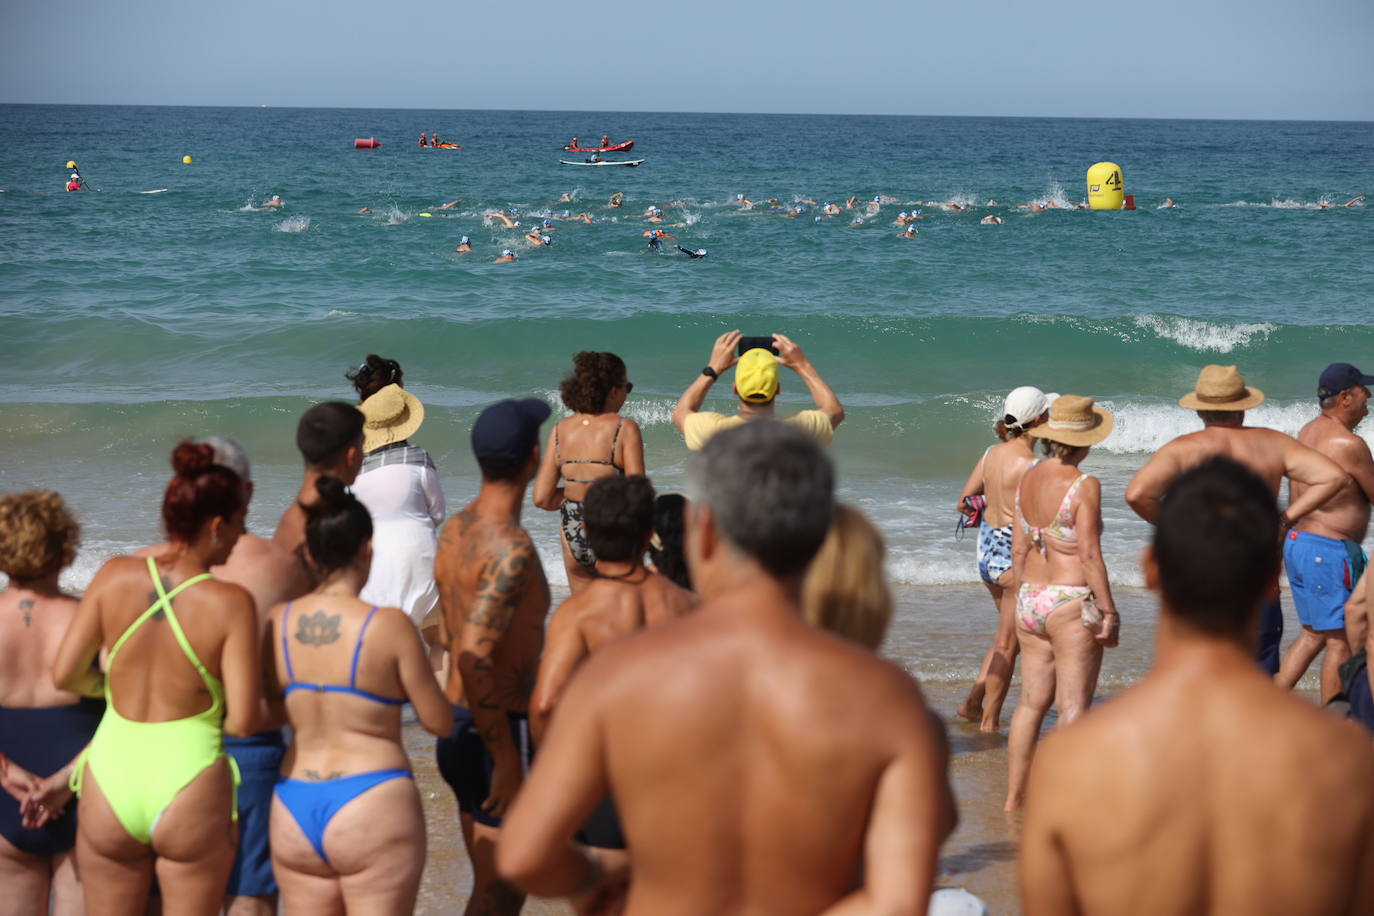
(130,320)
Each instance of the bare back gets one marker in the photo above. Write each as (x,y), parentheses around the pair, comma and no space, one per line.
(587,447)
(1003,467)
(1345,515)
(337,732)
(753,759)
(32,625)
(151,678)
(1259,449)
(1203,789)
(490,579)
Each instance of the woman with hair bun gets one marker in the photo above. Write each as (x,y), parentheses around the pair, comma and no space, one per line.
(592,443)
(348,832)
(42,728)
(156,789)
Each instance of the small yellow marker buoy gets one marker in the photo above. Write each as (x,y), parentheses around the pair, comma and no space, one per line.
(426,214)
(1106,188)
(71,163)
(186,160)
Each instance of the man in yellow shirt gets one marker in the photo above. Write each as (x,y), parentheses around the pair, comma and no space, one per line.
(756,385)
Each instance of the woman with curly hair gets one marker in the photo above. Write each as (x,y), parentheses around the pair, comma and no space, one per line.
(42,728)
(592,443)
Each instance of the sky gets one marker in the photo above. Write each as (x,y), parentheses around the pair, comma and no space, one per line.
(1281,59)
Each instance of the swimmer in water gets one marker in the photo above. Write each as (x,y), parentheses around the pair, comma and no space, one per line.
(1321,205)
(794,212)
(464,244)
(992,219)
(501,215)
(1167,205)
(831,209)
(617,199)
(566,198)
(364,210)
(450,205)
(273,204)
(655,215)
(75,182)
(908,233)
(744,202)
(534,236)
(506,256)
(856,222)
(992,203)
(699,253)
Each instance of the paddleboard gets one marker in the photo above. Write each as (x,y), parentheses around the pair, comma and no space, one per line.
(631,162)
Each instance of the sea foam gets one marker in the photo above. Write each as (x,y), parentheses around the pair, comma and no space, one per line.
(1205,336)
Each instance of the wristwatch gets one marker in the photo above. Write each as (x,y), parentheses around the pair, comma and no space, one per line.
(710,373)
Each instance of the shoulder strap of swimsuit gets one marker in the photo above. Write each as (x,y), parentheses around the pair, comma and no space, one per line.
(358,649)
(164,603)
(285,644)
(615,437)
(1067,502)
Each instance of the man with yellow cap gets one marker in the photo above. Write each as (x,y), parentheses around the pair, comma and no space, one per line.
(756,386)
(1221,398)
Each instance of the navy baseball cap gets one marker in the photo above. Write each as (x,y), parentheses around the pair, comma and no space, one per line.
(509,429)
(1338,377)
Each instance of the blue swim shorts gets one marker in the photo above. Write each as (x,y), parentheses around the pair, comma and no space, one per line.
(1321,572)
(466,765)
(259,758)
(994,552)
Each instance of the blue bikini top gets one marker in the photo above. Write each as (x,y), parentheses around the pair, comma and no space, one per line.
(293,684)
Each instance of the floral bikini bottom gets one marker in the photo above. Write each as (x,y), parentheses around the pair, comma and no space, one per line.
(1035,603)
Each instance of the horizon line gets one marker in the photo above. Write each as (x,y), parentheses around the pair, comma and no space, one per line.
(764,114)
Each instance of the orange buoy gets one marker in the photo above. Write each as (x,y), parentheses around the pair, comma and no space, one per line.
(366,143)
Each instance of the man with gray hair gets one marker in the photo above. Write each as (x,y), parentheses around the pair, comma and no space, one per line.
(715,732)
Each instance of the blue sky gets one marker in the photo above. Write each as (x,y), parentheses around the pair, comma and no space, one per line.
(1070,58)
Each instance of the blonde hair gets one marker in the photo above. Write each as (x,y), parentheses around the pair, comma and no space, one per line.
(845,590)
(38,536)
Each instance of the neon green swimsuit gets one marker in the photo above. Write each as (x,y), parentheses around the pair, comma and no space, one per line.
(143,765)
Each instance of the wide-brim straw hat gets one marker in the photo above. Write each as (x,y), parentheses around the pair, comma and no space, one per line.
(1221,388)
(390,415)
(1074,420)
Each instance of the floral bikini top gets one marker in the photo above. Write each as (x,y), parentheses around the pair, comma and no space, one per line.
(1061,526)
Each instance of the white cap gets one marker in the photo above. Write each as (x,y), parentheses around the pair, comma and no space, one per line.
(76,177)
(701,252)
(739,197)
(546,240)
(1024,405)
(507,253)
(231,455)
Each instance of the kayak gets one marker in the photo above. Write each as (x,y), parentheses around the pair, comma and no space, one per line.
(617,148)
(630,162)
(443,146)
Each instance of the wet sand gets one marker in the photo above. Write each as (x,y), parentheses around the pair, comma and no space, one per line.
(940,635)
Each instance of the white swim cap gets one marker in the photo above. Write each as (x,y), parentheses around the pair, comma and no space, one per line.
(507,253)
(75,177)
(701,252)
(464,241)
(546,240)
(739,197)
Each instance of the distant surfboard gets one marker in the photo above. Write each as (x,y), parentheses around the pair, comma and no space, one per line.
(630,162)
(154,191)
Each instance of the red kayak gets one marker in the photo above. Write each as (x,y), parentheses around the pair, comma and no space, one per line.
(617,148)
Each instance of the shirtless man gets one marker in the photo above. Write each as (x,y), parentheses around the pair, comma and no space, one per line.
(493,598)
(997,476)
(274,203)
(506,257)
(626,596)
(714,732)
(1221,399)
(617,199)
(464,244)
(1322,553)
(1204,788)
(330,439)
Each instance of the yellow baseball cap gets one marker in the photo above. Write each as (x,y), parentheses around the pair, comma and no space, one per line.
(756,375)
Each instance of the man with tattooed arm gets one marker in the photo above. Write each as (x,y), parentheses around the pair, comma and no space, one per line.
(493,597)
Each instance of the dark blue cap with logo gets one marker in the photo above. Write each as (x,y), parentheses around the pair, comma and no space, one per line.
(1340,376)
(509,429)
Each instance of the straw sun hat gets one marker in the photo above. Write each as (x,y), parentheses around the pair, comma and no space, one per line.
(1074,421)
(390,415)
(1221,388)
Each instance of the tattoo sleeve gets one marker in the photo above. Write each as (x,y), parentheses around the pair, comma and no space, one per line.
(500,590)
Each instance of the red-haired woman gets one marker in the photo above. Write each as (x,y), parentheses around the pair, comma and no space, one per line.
(157,791)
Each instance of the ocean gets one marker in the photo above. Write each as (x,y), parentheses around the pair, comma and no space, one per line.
(130,320)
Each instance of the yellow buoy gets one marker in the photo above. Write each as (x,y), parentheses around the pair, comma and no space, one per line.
(1106,188)
(71,163)
(186,159)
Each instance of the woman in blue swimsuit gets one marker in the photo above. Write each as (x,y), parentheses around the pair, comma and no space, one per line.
(347,829)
